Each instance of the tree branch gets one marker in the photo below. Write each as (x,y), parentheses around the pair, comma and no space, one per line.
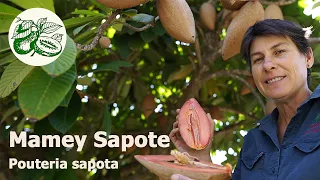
(314,40)
(100,32)
(235,76)
(142,28)
(237,112)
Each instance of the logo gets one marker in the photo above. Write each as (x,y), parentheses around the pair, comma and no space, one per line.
(315,126)
(37,37)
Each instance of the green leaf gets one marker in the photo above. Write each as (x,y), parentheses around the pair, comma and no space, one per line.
(78,29)
(40,94)
(66,100)
(87,12)
(181,73)
(107,122)
(7,58)
(63,118)
(4,43)
(147,36)
(130,12)
(158,29)
(47,4)
(85,81)
(119,24)
(315,5)
(101,7)
(13,76)
(64,61)
(7,15)
(143,18)
(113,66)
(78,21)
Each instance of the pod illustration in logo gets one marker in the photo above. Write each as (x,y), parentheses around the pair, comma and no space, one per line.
(29,36)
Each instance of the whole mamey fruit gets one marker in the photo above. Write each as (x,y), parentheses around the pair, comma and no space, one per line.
(148,105)
(194,125)
(121,4)
(273,11)
(26,44)
(249,14)
(208,15)
(245,90)
(46,46)
(233,6)
(104,42)
(177,19)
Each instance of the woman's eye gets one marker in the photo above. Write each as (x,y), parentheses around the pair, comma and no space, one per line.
(257,60)
(279,52)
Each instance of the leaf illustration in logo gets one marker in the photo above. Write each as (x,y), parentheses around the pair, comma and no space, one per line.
(57,37)
(50,27)
(22,30)
(41,22)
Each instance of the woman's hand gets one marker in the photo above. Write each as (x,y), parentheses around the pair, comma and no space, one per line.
(202,155)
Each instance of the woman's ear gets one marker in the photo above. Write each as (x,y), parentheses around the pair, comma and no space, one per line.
(309,58)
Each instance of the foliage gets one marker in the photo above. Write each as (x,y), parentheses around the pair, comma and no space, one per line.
(83,92)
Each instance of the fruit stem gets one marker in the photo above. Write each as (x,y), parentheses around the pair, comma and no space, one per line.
(33,53)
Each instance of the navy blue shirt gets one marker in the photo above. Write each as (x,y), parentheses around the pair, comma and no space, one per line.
(296,158)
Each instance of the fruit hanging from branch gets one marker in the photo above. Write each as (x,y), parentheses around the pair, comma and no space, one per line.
(121,4)
(104,42)
(273,11)
(232,5)
(177,19)
(249,14)
(208,15)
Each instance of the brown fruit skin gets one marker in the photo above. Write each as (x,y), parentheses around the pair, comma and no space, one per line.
(216,113)
(121,4)
(248,15)
(245,90)
(273,12)
(162,121)
(177,19)
(233,7)
(208,15)
(104,42)
(148,105)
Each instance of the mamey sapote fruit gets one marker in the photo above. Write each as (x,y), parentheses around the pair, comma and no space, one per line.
(121,4)
(26,44)
(232,5)
(177,19)
(245,90)
(273,11)
(208,15)
(163,166)
(46,46)
(104,42)
(249,14)
(228,19)
(216,113)
(148,105)
(194,125)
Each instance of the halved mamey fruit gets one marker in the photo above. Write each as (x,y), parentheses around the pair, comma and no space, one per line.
(194,125)
(164,167)
(46,46)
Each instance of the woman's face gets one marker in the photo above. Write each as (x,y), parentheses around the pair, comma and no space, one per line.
(278,68)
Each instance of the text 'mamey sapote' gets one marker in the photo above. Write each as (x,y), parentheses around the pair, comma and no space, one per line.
(249,14)
(121,4)
(194,125)
(177,19)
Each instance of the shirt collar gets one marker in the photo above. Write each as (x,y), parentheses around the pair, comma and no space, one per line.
(271,119)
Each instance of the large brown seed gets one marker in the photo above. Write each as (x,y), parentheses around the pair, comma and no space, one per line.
(208,15)
(177,19)
(248,15)
(121,4)
(194,125)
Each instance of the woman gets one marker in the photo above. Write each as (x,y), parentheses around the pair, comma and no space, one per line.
(286,143)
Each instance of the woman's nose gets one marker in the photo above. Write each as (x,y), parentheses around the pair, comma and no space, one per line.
(269,64)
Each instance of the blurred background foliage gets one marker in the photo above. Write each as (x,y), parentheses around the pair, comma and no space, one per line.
(134,87)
